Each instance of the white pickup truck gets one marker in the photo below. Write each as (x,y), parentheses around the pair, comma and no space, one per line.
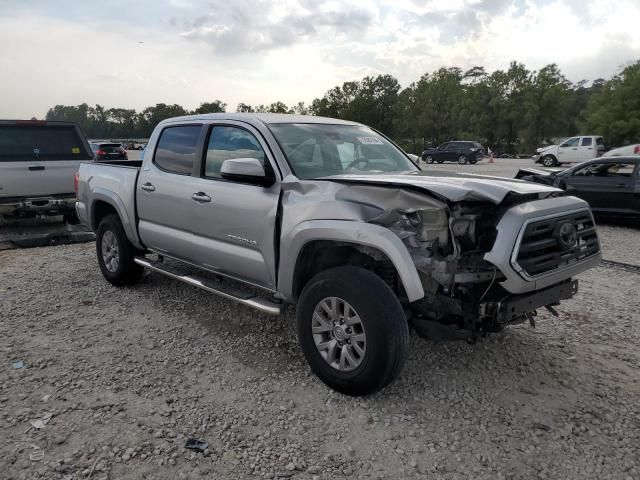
(37,162)
(572,150)
(333,217)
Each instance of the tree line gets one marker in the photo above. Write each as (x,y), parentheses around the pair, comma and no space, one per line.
(513,110)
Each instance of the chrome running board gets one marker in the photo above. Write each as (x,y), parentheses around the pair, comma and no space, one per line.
(244,298)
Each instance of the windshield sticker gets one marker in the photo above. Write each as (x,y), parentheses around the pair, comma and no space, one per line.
(370,141)
(75,150)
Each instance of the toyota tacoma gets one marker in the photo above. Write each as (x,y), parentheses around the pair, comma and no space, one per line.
(332,217)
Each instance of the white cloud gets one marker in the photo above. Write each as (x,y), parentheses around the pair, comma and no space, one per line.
(258,51)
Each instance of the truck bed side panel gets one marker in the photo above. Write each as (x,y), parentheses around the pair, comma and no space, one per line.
(113,185)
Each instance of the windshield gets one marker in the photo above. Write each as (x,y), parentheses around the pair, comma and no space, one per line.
(317,150)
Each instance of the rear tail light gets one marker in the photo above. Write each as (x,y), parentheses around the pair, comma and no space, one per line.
(101,152)
(75,182)
(636,150)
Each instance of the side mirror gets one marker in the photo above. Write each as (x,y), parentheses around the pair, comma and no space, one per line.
(245,170)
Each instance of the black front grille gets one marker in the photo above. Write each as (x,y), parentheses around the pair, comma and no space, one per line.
(542,249)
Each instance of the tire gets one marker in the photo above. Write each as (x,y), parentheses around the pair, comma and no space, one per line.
(376,317)
(549,161)
(71,218)
(473,162)
(462,159)
(428,159)
(116,264)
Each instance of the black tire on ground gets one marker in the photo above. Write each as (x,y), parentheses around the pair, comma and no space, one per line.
(473,162)
(71,218)
(428,159)
(549,161)
(462,159)
(382,320)
(116,258)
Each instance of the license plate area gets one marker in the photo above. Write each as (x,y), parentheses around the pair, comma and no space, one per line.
(516,306)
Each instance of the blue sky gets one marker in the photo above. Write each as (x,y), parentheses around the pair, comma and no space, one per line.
(134,54)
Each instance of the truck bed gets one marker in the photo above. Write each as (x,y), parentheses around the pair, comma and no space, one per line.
(114,183)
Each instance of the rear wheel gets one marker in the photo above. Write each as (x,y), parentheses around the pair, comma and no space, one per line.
(352,330)
(116,253)
(462,159)
(549,161)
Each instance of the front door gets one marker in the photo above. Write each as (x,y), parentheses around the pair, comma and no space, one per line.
(568,150)
(235,224)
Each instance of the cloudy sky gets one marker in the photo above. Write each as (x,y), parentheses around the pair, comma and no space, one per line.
(134,54)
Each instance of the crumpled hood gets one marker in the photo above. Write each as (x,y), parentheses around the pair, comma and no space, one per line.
(454,187)
(544,149)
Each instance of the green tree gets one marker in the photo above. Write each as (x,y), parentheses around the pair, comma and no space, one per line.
(217,106)
(614,110)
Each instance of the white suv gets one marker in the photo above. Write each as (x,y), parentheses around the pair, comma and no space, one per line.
(572,150)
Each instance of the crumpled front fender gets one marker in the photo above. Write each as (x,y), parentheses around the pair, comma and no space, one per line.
(357,233)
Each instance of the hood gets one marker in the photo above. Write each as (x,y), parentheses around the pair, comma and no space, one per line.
(454,187)
(544,149)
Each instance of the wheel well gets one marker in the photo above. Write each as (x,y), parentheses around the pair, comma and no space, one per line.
(100,210)
(320,255)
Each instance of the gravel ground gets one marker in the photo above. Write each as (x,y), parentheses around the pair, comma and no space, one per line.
(115,380)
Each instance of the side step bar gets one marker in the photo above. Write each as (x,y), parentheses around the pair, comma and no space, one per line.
(244,298)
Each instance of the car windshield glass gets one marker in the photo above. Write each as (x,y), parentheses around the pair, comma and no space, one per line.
(318,150)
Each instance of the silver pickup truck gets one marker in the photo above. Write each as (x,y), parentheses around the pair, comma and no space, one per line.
(333,217)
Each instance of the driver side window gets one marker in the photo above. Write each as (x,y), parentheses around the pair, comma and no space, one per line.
(572,142)
(226,142)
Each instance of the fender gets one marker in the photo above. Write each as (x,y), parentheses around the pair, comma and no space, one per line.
(359,233)
(111,198)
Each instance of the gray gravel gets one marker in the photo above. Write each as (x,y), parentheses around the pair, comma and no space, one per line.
(127,375)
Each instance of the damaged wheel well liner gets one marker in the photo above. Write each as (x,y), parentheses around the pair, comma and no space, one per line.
(319,255)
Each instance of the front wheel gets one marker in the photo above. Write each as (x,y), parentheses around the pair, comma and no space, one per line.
(116,253)
(549,161)
(352,330)
(462,159)
(428,159)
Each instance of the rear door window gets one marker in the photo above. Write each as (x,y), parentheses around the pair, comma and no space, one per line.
(177,147)
(586,141)
(41,142)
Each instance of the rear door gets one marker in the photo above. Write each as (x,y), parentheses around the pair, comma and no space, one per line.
(586,149)
(39,158)
(164,193)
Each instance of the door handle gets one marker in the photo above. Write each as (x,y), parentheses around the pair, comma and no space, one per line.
(34,168)
(574,148)
(621,185)
(147,187)
(201,197)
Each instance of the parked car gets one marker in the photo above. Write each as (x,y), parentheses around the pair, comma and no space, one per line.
(37,162)
(611,186)
(625,151)
(108,151)
(458,151)
(572,150)
(332,217)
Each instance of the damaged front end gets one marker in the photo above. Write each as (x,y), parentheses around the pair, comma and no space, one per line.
(464,297)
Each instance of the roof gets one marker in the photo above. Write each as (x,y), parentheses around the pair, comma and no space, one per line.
(266,118)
